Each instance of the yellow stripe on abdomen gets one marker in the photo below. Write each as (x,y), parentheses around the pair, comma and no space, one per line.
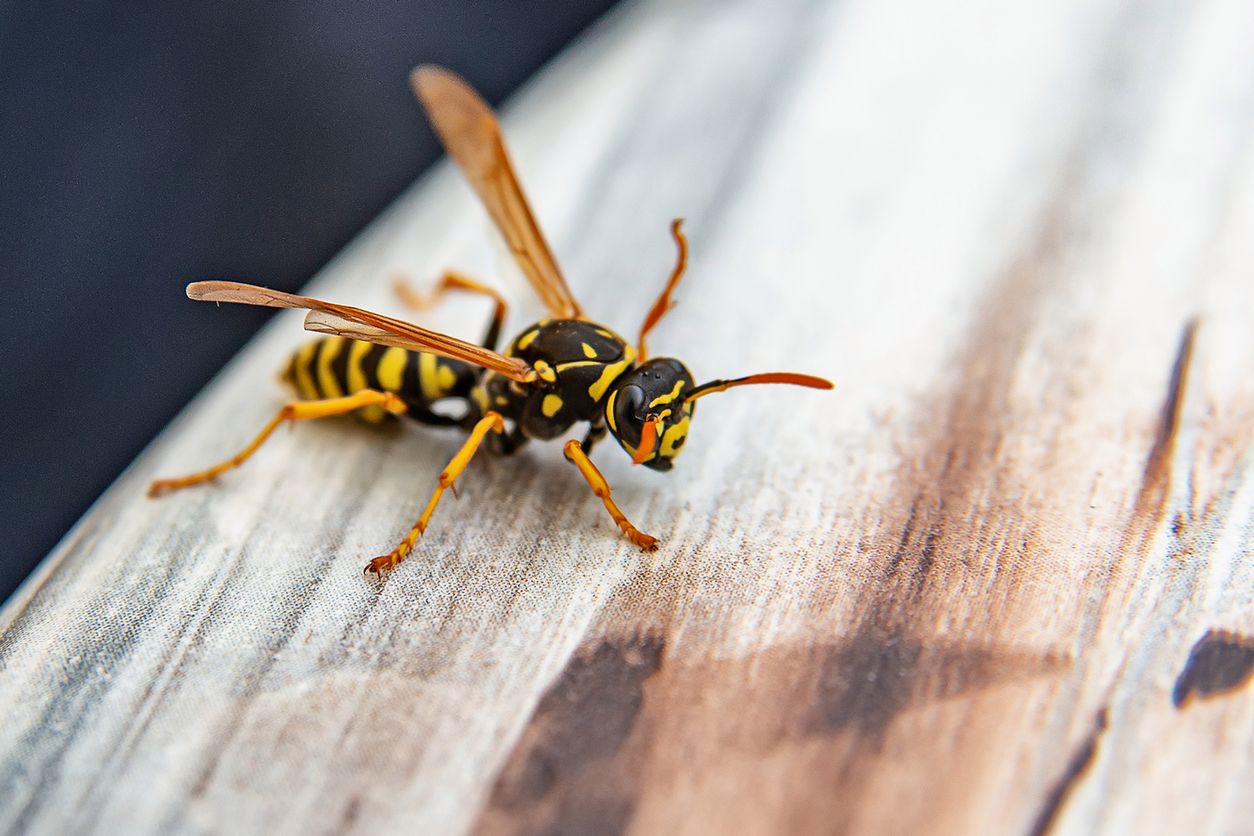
(357,380)
(327,352)
(305,386)
(429,376)
(356,377)
(391,371)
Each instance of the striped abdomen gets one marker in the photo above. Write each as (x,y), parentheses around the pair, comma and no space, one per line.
(333,367)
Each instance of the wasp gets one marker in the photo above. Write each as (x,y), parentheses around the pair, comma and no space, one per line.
(561,371)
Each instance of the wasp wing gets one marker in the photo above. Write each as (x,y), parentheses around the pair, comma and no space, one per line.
(433,342)
(472,136)
(329,323)
(359,324)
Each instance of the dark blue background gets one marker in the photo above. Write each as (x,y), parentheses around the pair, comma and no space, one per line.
(147,144)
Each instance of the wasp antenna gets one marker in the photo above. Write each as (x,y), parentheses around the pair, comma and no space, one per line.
(791,378)
(664,302)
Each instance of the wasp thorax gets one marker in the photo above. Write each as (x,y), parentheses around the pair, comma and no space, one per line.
(647,413)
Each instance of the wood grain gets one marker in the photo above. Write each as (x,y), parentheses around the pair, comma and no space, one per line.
(999,581)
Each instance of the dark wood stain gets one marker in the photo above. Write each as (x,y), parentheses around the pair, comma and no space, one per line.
(888,666)
(1076,769)
(900,672)
(570,771)
(349,817)
(1219,663)
(1156,480)
(610,729)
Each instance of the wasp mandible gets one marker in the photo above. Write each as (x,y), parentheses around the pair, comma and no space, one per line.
(558,372)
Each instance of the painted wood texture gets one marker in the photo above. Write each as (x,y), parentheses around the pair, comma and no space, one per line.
(999,582)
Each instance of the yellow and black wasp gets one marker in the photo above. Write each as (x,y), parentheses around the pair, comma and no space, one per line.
(558,372)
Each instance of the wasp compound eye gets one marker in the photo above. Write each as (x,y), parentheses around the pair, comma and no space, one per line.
(629,414)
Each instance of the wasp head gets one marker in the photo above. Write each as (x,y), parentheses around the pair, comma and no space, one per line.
(647,413)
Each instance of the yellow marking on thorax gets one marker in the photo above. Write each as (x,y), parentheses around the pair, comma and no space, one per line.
(589,351)
(428,376)
(679,384)
(672,436)
(392,368)
(356,377)
(574,364)
(545,371)
(551,405)
(612,370)
(330,349)
(304,381)
(527,339)
(607,334)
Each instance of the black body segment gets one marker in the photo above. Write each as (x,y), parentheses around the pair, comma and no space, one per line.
(578,363)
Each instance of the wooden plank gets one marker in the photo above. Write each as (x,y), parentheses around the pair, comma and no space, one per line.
(998,582)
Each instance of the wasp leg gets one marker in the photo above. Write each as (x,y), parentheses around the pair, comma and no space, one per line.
(491,422)
(575,453)
(295,411)
(595,433)
(507,443)
(452,280)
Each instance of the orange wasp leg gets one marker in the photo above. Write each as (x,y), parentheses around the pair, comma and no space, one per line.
(295,411)
(490,422)
(575,454)
(452,280)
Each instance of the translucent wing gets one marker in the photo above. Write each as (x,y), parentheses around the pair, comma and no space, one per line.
(358,324)
(472,137)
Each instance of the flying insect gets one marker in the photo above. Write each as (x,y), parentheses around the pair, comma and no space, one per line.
(561,371)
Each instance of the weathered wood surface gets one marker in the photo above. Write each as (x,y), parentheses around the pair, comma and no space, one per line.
(966,593)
